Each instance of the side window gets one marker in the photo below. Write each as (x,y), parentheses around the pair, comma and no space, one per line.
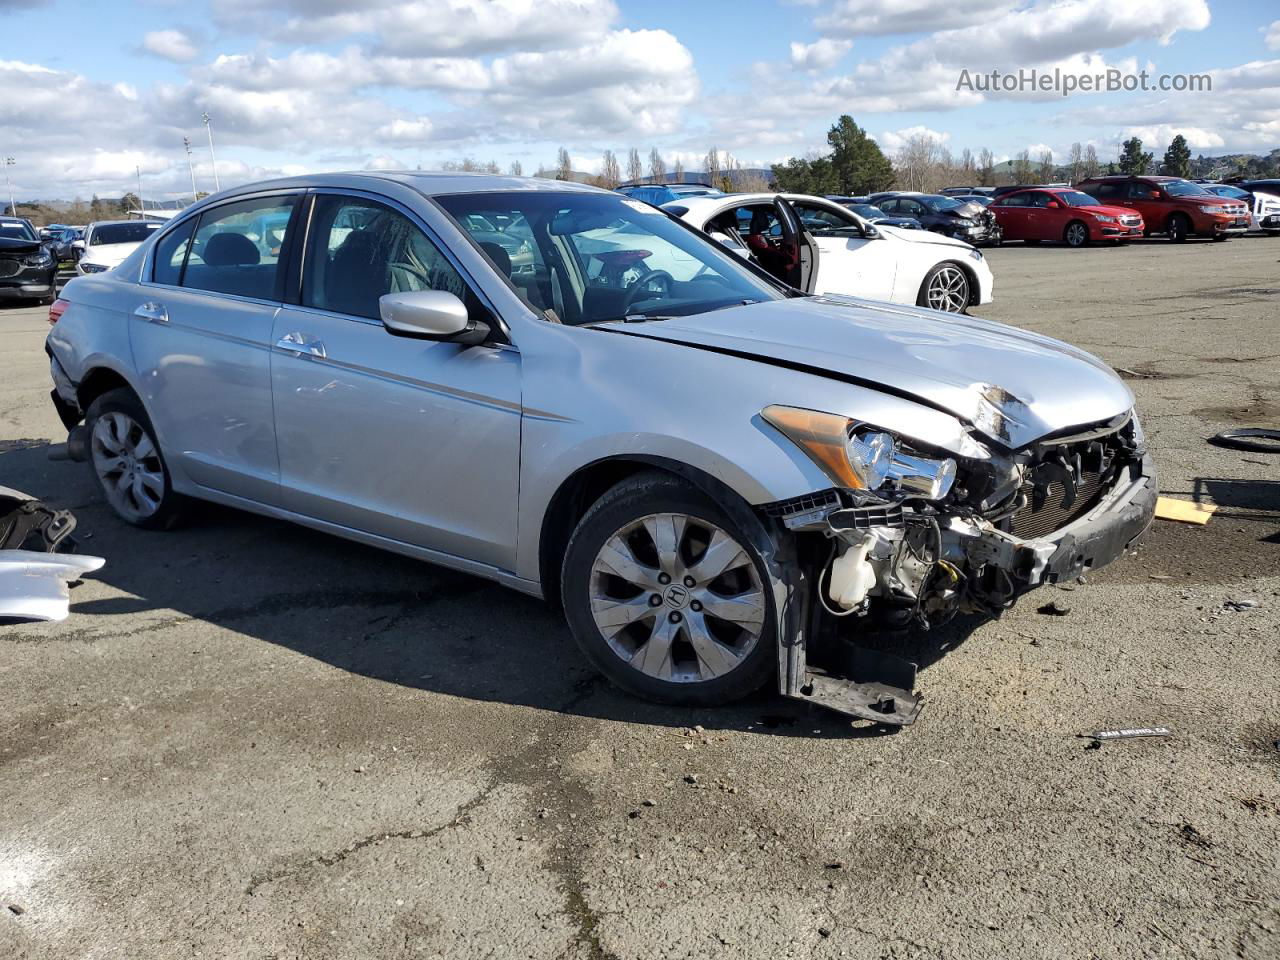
(1040,200)
(1138,190)
(1013,200)
(236,249)
(171,254)
(819,220)
(360,250)
(1107,190)
(889,206)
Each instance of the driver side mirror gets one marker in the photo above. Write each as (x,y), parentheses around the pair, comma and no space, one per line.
(78,244)
(431,315)
(870,232)
(1053,205)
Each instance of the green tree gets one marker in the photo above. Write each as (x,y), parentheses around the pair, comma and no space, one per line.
(857,162)
(1132,160)
(813,175)
(1177,159)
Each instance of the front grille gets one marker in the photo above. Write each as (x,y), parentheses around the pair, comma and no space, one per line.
(1066,480)
(1130,221)
(1029,523)
(10,268)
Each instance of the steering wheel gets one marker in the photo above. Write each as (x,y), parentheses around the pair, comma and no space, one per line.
(641,286)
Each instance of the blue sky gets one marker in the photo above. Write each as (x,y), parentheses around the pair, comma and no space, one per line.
(94,90)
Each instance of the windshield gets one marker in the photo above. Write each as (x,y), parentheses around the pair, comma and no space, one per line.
(1074,198)
(110,233)
(17,230)
(937,204)
(867,211)
(1182,188)
(1224,191)
(590,258)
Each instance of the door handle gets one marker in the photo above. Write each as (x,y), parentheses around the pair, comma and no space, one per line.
(153,311)
(299,343)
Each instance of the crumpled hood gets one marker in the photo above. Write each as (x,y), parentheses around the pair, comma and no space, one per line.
(13,246)
(110,253)
(969,210)
(1012,385)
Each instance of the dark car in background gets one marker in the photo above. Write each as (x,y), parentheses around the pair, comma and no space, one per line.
(27,263)
(872,214)
(1055,214)
(970,222)
(1171,205)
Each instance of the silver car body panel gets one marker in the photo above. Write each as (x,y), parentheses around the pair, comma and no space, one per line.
(34,585)
(350,442)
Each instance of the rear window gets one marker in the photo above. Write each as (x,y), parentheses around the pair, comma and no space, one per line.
(110,233)
(237,247)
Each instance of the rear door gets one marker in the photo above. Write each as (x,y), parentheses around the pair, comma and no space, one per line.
(1011,214)
(412,440)
(800,248)
(201,336)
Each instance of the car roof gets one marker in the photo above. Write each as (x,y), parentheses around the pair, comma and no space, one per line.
(429,184)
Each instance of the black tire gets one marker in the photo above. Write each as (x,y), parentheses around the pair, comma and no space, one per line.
(632,499)
(922,296)
(1178,228)
(1076,238)
(1220,237)
(172,506)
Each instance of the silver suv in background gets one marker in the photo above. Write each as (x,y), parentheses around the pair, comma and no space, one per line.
(713,473)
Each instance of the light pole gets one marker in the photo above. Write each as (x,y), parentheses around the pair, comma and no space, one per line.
(186,142)
(209,129)
(9,162)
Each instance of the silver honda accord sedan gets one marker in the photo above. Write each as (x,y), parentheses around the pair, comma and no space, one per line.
(720,479)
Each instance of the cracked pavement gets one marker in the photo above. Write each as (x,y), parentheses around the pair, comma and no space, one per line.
(253,740)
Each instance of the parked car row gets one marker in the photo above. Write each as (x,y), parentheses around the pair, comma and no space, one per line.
(707,469)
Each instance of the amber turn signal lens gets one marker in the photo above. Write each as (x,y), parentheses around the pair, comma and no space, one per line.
(823,436)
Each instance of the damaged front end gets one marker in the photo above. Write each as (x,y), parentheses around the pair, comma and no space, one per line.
(912,537)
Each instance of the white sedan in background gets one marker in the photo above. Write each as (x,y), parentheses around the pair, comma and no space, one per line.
(108,242)
(822,247)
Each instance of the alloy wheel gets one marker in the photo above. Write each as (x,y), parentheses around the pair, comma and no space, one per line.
(128,465)
(677,598)
(948,290)
(1077,235)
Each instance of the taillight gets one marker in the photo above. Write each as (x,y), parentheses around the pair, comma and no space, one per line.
(57,309)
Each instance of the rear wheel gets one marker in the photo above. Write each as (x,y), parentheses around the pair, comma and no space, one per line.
(127,464)
(946,288)
(666,597)
(1178,228)
(1076,234)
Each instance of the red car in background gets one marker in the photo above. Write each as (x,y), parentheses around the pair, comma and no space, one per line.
(1059,213)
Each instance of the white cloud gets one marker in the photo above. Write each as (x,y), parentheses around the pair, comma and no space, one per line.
(894,140)
(1272,37)
(822,54)
(850,18)
(1160,134)
(403,131)
(172,44)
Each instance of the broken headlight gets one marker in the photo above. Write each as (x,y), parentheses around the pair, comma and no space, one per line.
(860,457)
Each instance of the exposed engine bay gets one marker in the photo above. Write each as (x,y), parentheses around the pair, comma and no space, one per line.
(936,536)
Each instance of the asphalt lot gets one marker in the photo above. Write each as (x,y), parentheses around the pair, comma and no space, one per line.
(252,740)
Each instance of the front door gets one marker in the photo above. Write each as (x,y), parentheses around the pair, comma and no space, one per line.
(201,335)
(412,440)
(850,262)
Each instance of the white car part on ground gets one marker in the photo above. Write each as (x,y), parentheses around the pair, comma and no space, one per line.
(35,586)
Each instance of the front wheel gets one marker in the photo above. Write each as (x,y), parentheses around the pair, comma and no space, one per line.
(1179,228)
(945,288)
(126,462)
(666,596)
(1076,234)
